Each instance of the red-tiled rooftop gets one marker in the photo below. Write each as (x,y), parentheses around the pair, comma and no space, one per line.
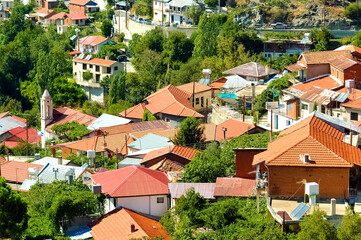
(92,40)
(355,93)
(234,128)
(324,57)
(79,2)
(343,63)
(251,69)
(326,82)
(116,225)
(96,61)
(136,127)
(234,187)
(136,111)
(4,114)
(132,181)
(356,104)
(14,171)
(198,87)
(185,152)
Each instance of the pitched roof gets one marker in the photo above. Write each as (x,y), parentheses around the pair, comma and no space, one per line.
(209,131)
(92,40)
(310,136)
(116,225)
(234,187)
(76,16)
(185,152)
(47,175)
(21,133)
(198,87)
(136,127)
(65,114)
(296,67)
(352,48)
(355,93)
(356,104)
(171,100)
(234,128)
(2,160)
(14,171)
(7,123)
(150,141)
(323,57)
(168,133)
(60,15)
(136,111)
(343,62)
(132,181)
(4,114)
(204,189)
(96,61)
(107,120)
(327,82)
(167,165)
(19,118)
(319,95)
(79,2)
(251,69)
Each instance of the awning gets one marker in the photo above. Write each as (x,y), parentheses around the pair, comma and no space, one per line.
(227,95)
(342,97)
(296,67)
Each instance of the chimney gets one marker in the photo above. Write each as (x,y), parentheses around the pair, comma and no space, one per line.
(106,57)
(60,161)
(132,228)
(350,84)
(305,158)
(53,150)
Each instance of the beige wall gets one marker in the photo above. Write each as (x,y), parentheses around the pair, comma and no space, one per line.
(207,100)
(78,71)
(348,114)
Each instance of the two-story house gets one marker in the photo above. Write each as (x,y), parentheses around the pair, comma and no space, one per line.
(277,48)
(93,44)
(98,69)
(83,6)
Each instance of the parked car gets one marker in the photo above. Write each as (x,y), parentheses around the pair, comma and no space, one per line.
(280,25)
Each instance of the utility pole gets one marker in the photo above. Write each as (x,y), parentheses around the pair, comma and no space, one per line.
(162,12)
(126,14)
(244,107)
(271,125)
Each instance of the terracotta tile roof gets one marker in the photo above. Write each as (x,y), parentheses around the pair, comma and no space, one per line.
(352,48)
(65,114)
(324,57)
(136,111)
(92,40)
(251,69)
(168,133)
(296,67)
(2,160)
(79,2)
(113,142)
(185,152)
(343,62)
(234,127)
(209,131)
(198,87)
(20,133)
(327,82)
(14,171)
(132,181)
(45,11)
(136,127)
(167,165)
(19,118)
(355,93)
(116,224)
(356,104)
(4,114)
(60,15)
(76,16)
(171,100)
(96,61)
(75,53)
(234,187)
(319,95)
(310,136)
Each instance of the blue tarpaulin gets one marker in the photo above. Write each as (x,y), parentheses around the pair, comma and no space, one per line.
(227,95)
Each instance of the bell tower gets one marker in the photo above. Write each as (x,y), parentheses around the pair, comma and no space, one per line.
(46,108)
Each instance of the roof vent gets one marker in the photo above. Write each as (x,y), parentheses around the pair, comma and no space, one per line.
(305,158)
(132,228)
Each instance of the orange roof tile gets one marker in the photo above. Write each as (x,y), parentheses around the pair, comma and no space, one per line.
(296,67)
(185,152)
(209,131)
(234,187)
(2,160)
(65,114)
(319,95)
(116,225)
(14,171)
(60,15)
(168,133)
(79,2)
(45,11)
(310,136)
(327,82)
(353,104)
(355,93)
(171,100)
(198,87)
(136,111)
(167,165)
(324,57)
(352,48)
(96,61)
(136,127)
(343,62)
(92,40)
(218,84)
(76,16)
(19,118)
(234,127)
(4,114)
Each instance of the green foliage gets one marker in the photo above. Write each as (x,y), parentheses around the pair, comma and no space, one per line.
(190,133)
(99,161)
(106,28)
(143,8)
(133,43)
(284,35)
(211,3)
(92,108)
(112,51)
(87,75)
(70,131)
(188,72)
(118,107)
(61,8)
(350,227)
(12,106)
(120,37)
(357,39)
(13,216)
(51,204)
(25,149)
(218,161)
(148,116)
(117,88)
(194,12)
(177,48)
(98,16)
(67,92)
(321,37)
(315,226)
(352,11)
(281,62)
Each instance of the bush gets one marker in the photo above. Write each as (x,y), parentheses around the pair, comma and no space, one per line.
(87,75)
(353,11)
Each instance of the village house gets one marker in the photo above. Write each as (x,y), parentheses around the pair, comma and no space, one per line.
(64,20)
(8,123)
(13,137)
(178,189)
(4,12)
(98,70)
(279,47)
(7,4)
(83,7)
(202,95)
(107,120)
(123,223)
(170,104)
(149,141)
(137,188)
(93,44)
(252,71)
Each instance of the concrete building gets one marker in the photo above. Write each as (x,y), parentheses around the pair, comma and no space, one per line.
(83,6)
(93,44)
(277,48)
(98,68)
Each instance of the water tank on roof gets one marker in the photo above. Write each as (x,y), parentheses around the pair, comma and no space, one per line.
(350,83)
(90,153)
(312,188)
(37,156)
(33,173)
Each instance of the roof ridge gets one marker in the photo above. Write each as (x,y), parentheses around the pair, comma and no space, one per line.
(126,210)
(144,170)
(125,179)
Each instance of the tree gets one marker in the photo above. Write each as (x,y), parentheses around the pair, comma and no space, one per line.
(190,133)
(143,8)
(117,88)
(315,226)
(350,227)
(87,75)
(111,51)
(66,92)
(119,107)
(51,206)
(106,28)
(322,37)
(194,12)
(70,131)
(190,71)
(13,208)
(353,11)
(92,108)
(148,116)
(211,3)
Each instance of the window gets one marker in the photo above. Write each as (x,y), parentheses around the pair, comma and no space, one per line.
(90,66)
(97,68)
(76,21)
(288,122)
(197,101)
(75,73)
(167,120)
(323,109)
(109,70)
(160,199)
(202,101)
(75,63)
(289,107)
(116,68)
(84,66)
(97,78)
(354,116)
(304,106)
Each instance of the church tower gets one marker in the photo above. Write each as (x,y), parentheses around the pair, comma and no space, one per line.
(46,108)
